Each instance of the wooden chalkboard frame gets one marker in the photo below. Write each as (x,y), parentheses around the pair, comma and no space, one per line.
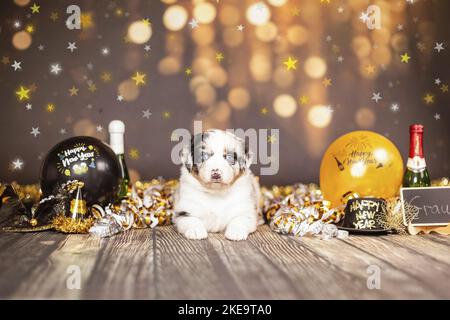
(403,208)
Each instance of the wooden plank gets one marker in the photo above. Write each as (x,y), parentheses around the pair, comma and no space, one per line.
(124,268)
(429,274)
(190,269)
(114,268)
(354,259)
(424,245)
(313,276)
(22,254)
(250,270)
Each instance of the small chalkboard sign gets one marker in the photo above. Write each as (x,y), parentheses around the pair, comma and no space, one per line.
(433,205)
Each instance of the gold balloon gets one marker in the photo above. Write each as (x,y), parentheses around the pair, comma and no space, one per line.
(364,162)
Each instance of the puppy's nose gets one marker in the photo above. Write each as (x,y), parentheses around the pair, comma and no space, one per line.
(215,174)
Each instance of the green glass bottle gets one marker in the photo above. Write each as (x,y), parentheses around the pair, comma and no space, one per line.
(416,174)
(116,142)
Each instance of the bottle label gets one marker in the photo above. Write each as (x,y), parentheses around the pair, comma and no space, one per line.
(416,164)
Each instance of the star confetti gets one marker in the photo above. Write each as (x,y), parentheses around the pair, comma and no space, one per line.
(139,78)
(290,63)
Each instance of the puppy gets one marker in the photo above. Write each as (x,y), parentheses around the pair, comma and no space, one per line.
(217,191)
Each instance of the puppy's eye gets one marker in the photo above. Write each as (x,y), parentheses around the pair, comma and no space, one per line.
(205,156)
(230,157)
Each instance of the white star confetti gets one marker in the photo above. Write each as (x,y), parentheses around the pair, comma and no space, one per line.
(439,47)
(17,164)
(193,23)
(16,65)
(72,46)
(146,114)
(35,131)
(376,96)
(55,69)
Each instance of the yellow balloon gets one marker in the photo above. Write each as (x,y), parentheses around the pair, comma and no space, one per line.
(364,162)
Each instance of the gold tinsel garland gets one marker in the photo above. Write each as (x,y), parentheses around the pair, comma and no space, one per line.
(150,204)
(66,224)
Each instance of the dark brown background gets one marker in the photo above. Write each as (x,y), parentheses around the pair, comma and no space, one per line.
(301,145)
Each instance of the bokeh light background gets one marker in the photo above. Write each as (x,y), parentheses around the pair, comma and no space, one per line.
(160,65)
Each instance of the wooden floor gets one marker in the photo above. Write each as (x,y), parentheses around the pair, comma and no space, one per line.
(161,264)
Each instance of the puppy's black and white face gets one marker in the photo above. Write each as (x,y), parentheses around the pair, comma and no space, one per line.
(216,158)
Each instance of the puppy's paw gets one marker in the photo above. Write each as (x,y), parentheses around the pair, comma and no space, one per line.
(196,232)
(236,233)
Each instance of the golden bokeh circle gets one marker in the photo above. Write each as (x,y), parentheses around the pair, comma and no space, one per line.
(139,32)
(239,98)
(315,67)
(204,12)
(277,3)
(175,17)
(205,95)
(282,77)
(22,3)
(232,38)
(229,15)
(258,13)
(203,36)
(320,116)
(260,67)
(365,118)
(217,76)
(21,40)
(169,65)
(128,90)
(285,105)
(297,35)
(266,32)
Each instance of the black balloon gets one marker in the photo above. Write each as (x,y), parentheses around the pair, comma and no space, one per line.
(85,159)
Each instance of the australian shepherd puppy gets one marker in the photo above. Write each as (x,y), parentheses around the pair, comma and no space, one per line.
(217,190)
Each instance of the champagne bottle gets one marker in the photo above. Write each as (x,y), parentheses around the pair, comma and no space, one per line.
(416,174)
(116,134)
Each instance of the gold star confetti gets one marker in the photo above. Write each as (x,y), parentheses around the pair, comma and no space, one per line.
(35,8)
(327,82)
(134,153)
(304,100)
(92,87)
(139,78)
(50,107)
(146,21)
(428,98)
(272,139)
(22,93)
(119,12)
(33,87)
(405,58)
(370,69)
(264,111)
(5,60)
(73,91)
(106,77)
(166,115)
(86,20)
(219,56)
(325,1)
(290,63)
(335,48)
(296,12)
(444,88)
(54,16)
(29,28)
(188,71)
